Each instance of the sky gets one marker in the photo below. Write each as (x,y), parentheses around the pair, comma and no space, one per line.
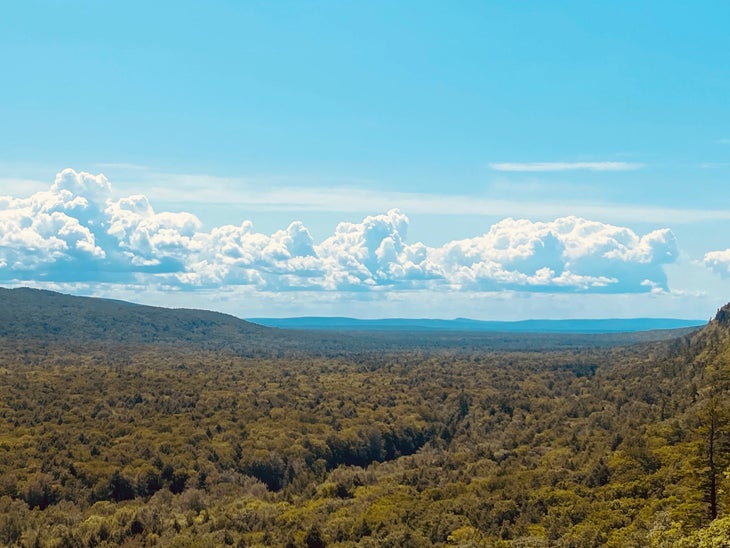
(492,160)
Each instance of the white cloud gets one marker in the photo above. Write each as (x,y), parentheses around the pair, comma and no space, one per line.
(361,200)
(76,231)
(12,184)
(569,253)
(564,166)
(718,262)
(147,237)
(41,233)
(375,252)
(273,195)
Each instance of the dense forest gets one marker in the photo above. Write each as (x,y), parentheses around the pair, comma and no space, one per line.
(136,441)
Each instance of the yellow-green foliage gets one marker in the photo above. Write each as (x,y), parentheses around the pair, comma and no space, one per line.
(154,446)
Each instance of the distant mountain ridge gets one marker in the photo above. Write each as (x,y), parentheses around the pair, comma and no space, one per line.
(31,316)
(611,325)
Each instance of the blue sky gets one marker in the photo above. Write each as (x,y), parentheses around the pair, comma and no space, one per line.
(495,160)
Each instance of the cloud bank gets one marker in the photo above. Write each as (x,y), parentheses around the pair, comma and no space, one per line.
(76,232)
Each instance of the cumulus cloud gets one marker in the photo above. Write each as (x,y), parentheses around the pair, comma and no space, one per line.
(565,166)
(718,262)
(75,231)
(569,253)
(374,252)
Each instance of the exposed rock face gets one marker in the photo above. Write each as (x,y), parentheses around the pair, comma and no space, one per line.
(723,315)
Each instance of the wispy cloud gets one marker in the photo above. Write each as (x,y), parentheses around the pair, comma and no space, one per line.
(565,166)
(11,185)
(254,194)
(121,165)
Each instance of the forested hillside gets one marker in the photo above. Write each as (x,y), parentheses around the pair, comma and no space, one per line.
(42,317)
(33,314)
(150,444)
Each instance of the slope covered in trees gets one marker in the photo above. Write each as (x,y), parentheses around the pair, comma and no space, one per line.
(46,316)
(146,444)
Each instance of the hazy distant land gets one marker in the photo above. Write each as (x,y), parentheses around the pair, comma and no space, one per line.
(612,325)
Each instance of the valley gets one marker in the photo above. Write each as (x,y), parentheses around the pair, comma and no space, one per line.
(429,440)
